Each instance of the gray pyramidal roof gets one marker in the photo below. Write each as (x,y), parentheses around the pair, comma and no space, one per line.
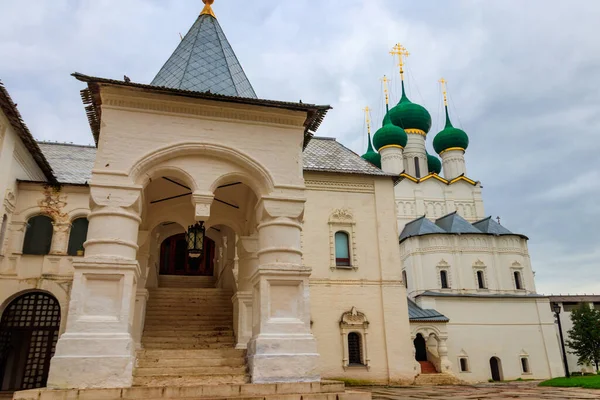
(204,61)
(453,224)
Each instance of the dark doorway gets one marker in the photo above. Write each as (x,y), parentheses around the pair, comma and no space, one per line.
(421,348)
(174,258)
(495,366)
(28,335)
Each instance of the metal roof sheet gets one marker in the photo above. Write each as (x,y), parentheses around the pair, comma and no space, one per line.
(416,313)
(488,225)
(418,227)
(454,223)
(71,163)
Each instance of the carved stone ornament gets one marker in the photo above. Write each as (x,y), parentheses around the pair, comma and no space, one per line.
(341,215)
(53,203)
(443,263)
(479,263)
(10,201)
(354,318)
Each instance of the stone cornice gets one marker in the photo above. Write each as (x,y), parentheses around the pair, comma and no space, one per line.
(203,109)
(355,282)
(339,186)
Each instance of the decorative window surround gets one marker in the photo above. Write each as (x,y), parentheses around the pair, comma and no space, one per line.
(479,266)
(444,266)
(354,321)
(517,267)
(342,219)
(463,356)
(524,363)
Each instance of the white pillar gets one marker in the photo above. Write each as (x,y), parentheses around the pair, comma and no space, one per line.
(282,348)
(242,301)
(453,163)
(60,238)
(392,160)
(97,348)
(415,148)
(445,364)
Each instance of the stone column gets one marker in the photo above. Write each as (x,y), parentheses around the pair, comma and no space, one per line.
(97,349)
(453,163)
(282,348)
(60,238)
(142,294)
(392,159)
(242,300)
(445,364)
(415,147)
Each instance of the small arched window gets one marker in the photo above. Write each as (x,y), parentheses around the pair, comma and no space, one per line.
(518,283)
(444,279)
(342,249)
(78,236)
(3,228)
(405,279)
(480,280)
(38,236)
(354,349)
(525,365)
(417,168)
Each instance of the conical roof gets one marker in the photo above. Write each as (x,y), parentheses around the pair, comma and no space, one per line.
(204,61)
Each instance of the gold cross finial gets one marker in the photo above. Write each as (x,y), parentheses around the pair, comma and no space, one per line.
(402,53)
(207,8)
(385,81)
(367,110)
(444,91)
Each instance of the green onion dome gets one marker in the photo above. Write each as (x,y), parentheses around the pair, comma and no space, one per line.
(389,135)
(450,138)
(410,116)
(372,156)
(434,164)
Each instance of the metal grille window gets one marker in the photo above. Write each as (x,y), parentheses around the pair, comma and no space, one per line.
(28,336)
(354,349)
(78,236)
(38,237)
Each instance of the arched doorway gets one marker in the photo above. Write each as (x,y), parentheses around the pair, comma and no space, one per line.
(174,258)
(496,368)
(420,348)
(28,335)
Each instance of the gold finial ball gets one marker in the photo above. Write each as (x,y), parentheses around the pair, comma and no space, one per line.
(208,2)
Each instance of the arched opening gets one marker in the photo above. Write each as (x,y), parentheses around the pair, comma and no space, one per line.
(38,236)
(496,369)
(518,283)
(342,249)
(480,280)
(405,279)
(417,168)
(78,236)
(444,279)
(175,259)
(420,348)
(28,335)
(355,349)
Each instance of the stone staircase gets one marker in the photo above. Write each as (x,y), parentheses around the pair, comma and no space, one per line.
(188,336)
(430,377)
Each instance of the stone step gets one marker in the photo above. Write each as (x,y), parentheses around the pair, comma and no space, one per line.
(190,290)
(174,281)
(191,362)
(325,390)
(189,371)
(188,346)
(436,379)
(199,353)
(187,340)
(190,380)
(191,311)
(226,331)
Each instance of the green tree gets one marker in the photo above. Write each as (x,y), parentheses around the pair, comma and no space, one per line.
(584,337)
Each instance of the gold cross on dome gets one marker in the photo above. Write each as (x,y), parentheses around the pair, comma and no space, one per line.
(385,81)
(367,110)
(444,91)
(402,53)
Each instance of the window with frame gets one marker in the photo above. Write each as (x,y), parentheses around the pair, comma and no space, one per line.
(481,280)
(463,364)
(354,349)
(38,235)
(78,236)
(342,249)
(405,279)
(417,168)
(518,281)
(525,365)
(444,279)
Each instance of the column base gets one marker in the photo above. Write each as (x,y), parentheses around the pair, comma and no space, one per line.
(283,358)
(92,361)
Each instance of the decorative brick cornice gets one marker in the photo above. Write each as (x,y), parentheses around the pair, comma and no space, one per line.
(205,109)
(339,186)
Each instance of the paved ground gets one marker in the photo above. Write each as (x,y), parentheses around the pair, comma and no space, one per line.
(488,391)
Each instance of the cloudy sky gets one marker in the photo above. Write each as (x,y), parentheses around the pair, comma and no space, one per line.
(523,81)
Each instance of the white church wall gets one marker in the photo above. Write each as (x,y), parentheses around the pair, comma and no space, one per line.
(481,328)
(365,204)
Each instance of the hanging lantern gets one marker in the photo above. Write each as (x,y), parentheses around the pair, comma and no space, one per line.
(195,239)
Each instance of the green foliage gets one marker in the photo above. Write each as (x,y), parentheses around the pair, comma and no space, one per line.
(588,382)
(584,337)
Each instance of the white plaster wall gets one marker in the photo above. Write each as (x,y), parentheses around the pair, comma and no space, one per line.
(374,287)
(504,328)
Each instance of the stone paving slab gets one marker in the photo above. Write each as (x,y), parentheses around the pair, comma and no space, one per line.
(491,391)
